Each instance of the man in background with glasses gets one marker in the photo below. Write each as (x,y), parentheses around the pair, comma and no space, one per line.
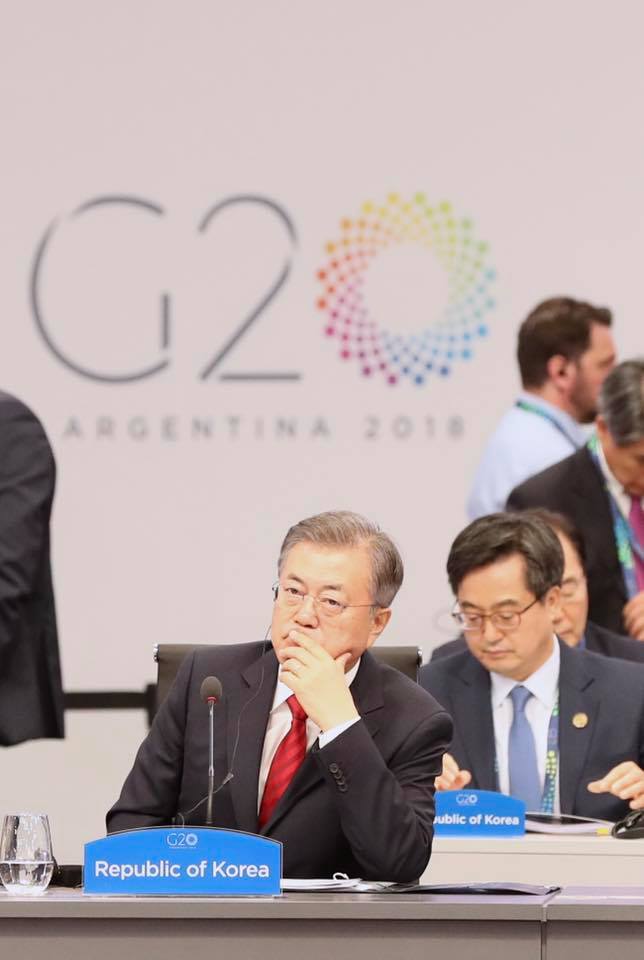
(560,728)
(316,743)
(571,623)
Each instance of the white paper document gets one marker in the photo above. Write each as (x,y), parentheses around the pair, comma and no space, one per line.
(339,883)
(565,825)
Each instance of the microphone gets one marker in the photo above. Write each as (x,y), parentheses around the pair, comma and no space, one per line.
(210,692)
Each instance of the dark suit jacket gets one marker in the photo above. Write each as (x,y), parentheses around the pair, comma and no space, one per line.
(31,696)
(364,804)
(598,640)
(611,694)
(575,488)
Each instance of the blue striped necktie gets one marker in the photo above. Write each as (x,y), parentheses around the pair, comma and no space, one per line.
(522,754)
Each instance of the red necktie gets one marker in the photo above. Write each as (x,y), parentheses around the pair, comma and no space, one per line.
(636,521)
(287,759)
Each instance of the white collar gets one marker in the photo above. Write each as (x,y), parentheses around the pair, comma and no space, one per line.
(570,427)
(616,490)
(282,692)
(542,684)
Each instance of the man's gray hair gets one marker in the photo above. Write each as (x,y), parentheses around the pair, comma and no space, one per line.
(621,402)
(342,528)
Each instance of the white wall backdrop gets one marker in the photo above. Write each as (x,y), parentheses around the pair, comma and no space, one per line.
(496,147)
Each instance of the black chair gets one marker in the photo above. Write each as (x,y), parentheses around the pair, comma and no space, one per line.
(168,657)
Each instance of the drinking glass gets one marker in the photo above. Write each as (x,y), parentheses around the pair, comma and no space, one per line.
(26,859)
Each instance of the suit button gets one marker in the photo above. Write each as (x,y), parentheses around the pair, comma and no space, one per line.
(342,787)
(334,768)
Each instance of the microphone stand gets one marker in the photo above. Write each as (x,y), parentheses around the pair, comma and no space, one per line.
(211,759)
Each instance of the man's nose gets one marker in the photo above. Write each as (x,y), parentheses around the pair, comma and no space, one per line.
(491,634)
(307,613)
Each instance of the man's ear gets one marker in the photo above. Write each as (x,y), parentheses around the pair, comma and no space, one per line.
(380,620)
(552,602)
(561,371)
(600,426)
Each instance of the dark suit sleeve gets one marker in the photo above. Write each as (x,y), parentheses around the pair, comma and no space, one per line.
(610,644)
(27,479)
(450,647)
(387,810)
(151,791)
(551,487)
(518,500)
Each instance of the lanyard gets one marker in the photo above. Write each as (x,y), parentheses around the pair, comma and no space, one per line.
(625,541)
(546,415)
(552,763)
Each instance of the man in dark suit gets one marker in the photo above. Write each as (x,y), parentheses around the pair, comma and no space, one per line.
(571,624)
(561,728)
(31,697)
(600,488)
(360,798)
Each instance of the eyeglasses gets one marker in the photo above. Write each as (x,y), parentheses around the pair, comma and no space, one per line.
(571,586)
(326,607)
(502,620)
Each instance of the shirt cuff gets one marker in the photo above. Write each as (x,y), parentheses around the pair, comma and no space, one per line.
(329,735)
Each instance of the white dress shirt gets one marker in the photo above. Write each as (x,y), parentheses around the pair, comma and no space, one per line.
(544,686)
(524,443)
(279,723)
(616,490)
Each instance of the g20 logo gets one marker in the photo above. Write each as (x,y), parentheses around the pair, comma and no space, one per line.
(179,838)
(443,338)
(68,343)
(467,799)
(440,341)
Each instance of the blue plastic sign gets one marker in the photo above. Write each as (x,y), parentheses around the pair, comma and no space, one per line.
(478,813)
(192,861)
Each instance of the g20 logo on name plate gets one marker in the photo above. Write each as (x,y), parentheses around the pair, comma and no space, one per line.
(467,799)
(438,341)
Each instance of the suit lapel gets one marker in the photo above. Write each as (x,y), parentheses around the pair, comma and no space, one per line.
(368,694)
(248,712)
(588,487)
(472,710)
(577,700)
(366,690)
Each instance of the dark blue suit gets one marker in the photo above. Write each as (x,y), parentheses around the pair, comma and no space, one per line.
(611,694)
(575,487)
(363,804)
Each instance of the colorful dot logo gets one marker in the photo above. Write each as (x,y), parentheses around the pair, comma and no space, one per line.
(450,335)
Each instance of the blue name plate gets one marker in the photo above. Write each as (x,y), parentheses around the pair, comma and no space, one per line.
(192,861)
(478,813)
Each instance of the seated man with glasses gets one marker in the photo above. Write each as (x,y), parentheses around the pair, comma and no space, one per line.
(316,743)
(572,624)
(560,728)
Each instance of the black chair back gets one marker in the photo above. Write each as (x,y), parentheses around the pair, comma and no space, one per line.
(169,656)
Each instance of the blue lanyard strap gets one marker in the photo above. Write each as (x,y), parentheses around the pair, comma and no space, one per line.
(545,415)
(625,540)
(552,762)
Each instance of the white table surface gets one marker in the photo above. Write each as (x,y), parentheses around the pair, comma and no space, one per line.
(535,858)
